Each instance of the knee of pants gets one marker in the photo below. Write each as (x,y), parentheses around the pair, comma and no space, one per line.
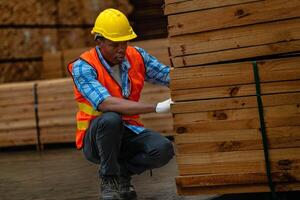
(110,121)
(90,157)
(162,154)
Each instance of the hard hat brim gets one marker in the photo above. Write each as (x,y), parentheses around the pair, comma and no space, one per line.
(118,39)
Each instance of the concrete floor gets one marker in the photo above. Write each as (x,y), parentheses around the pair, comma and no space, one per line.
(63,174)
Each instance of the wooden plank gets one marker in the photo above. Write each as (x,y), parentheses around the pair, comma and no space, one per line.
(235,91)
(287,115)
(283,176)
(58,134)
(238,156)
(17,124)
(20,86)
(20,137)
(65,97)
(231,16)
(236,54)
(235,103)
(237,162)
(16,101)
(17,112)
(236,140)
(155,47)
(70,55)
(52,66)
(235,38)
(161,93)
(180,6)
(57,121)
(162,123)
(237,189)
(234,73)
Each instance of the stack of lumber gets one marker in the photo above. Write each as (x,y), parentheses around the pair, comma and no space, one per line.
(148,19)
(56,111)
(33,27)
(218,137)
(17,115)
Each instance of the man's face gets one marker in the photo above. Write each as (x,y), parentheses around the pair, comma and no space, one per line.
(113,52)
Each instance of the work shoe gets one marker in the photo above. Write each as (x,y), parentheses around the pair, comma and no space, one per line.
(110,187)
(127,191)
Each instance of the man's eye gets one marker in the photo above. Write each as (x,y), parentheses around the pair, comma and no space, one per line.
(114,45)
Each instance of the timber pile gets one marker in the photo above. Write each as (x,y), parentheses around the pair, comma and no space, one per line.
(216,119)
(57,111)
(33,27)
(148,19)
(17,115)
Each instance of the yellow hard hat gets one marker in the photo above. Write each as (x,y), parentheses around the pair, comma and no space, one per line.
(113,25)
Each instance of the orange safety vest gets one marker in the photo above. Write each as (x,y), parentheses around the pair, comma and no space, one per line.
(136,76)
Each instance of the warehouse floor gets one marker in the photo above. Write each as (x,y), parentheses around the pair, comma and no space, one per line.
(63,174)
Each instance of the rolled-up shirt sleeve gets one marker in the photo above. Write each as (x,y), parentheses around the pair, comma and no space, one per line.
(156,72)
(85,79)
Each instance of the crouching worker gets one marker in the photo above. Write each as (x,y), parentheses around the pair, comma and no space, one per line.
(108,80)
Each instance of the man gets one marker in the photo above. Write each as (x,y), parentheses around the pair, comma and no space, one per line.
(108,82)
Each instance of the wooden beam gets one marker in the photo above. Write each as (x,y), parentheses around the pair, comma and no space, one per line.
(234,73)
(235,91)
(236,140)
(11,137)
(52,65)
(237,162)
(231,16)
(236,103)
(237,189)
(235,38)
(283,176)
(180,6)
(236,54)
(277,116)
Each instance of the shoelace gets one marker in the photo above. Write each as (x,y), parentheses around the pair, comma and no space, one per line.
(110,184)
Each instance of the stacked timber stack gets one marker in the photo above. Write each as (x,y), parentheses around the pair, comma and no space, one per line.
(33,27)
(148,19)
(216,115)
(56,111)
(17,115)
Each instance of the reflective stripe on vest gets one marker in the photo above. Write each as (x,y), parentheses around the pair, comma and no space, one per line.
(82,125)
(87,109)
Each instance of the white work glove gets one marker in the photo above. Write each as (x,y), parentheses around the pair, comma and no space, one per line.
(164,106)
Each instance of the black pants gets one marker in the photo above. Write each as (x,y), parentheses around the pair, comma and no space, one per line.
(119,151)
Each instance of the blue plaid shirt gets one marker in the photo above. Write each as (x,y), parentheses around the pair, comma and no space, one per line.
(85,78)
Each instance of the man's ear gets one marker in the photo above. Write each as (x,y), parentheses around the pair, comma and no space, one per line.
(100,42)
